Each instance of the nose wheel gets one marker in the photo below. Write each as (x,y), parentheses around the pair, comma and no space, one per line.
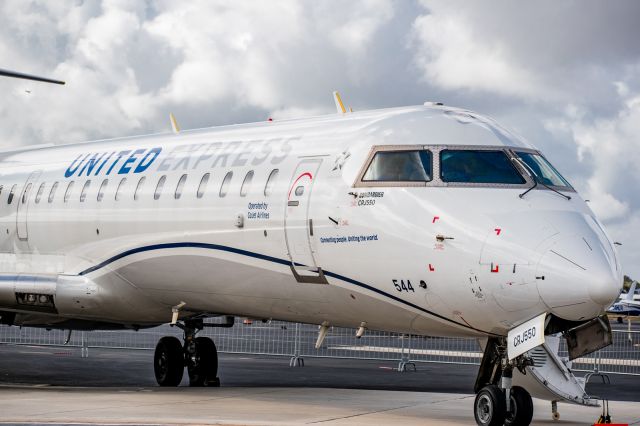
(198,354)
(521,411)
(497,401)
(489,408)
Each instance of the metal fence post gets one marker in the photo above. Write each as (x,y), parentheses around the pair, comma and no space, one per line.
(405,357)
(84,351)
(296,360)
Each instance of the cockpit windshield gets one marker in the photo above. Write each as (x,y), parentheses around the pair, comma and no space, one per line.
(400,166)
(542,170)
(478,166)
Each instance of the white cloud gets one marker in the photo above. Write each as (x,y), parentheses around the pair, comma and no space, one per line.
(451,56)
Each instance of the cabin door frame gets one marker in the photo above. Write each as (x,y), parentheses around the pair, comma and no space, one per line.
(298,226)
(23,202)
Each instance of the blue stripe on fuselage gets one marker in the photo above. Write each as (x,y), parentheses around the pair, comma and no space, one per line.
(269,259)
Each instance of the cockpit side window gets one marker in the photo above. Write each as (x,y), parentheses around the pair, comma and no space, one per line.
(542,170)
(478,166)
(400,166)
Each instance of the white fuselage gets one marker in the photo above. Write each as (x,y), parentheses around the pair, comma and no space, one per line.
(434,259)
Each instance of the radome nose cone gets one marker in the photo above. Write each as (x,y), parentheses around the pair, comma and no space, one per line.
(604,289)
(580,278)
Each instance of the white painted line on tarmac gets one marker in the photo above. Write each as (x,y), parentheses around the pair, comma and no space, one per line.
(470,355)
(389,349)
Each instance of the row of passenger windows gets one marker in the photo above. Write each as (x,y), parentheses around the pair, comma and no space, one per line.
(159,187)
(461,166)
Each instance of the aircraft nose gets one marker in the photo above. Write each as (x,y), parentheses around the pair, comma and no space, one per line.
(604,287)
(578,277)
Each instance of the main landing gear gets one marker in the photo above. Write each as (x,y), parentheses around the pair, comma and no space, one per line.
(198,354)
(497,402)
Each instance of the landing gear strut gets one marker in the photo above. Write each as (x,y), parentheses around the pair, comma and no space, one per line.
(198,354)
(497,401)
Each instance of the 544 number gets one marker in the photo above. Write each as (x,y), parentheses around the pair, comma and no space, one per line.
(401,285)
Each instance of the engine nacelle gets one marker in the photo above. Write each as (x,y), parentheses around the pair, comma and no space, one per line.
(66,295)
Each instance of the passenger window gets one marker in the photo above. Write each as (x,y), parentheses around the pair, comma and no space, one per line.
(158,192)
(11,194)
(400,166)
(469,166)
(67,193)
(25,194)
(225,184)
(203,185)
(180,186)
(38,194)
(52,193)
(246,183)
(120,189)
(268,187)
(103,188)
(83,193)
(544,172)
(139,186)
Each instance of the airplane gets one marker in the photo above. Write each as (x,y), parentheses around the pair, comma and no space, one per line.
(627,304)
(428,219)
(625,296)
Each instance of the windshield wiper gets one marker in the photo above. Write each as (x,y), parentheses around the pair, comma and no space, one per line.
(536,180)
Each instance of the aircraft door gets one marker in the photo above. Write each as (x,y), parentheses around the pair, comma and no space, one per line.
(298,226)
(23,205)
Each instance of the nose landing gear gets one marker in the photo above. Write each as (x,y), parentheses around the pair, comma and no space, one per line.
(198,354)
(497,402)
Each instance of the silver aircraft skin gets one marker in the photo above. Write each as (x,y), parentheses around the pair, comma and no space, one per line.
(296,220)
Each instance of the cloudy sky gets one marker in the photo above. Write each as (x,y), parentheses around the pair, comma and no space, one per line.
(563,74)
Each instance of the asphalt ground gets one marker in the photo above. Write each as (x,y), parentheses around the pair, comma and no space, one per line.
(114,368)
(55,386)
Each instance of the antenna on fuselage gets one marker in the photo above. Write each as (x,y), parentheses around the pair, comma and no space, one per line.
(174,123)
(339,105)
(14,74)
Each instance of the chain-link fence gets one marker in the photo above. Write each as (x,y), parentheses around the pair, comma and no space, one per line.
(297,341)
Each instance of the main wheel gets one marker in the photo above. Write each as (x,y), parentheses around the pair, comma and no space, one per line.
(489,408)
(168,362)
(202,364)
(521,408)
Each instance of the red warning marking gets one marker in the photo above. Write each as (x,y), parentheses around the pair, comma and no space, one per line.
(431,268)
(296,181)
(495,269)
(498,230)
(435,218)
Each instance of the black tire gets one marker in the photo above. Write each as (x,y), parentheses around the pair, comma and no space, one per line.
(168,362)
(521,408)
(203,365)
(489,407)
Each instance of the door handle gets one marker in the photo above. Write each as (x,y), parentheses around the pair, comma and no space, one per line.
(311,227)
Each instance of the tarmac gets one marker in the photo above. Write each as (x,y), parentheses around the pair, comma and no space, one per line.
(52,385)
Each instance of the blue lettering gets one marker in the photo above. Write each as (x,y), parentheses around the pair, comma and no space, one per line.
(89,165)
(71,170)
(125,166)
(103,163)
(120,155)
(147,160)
